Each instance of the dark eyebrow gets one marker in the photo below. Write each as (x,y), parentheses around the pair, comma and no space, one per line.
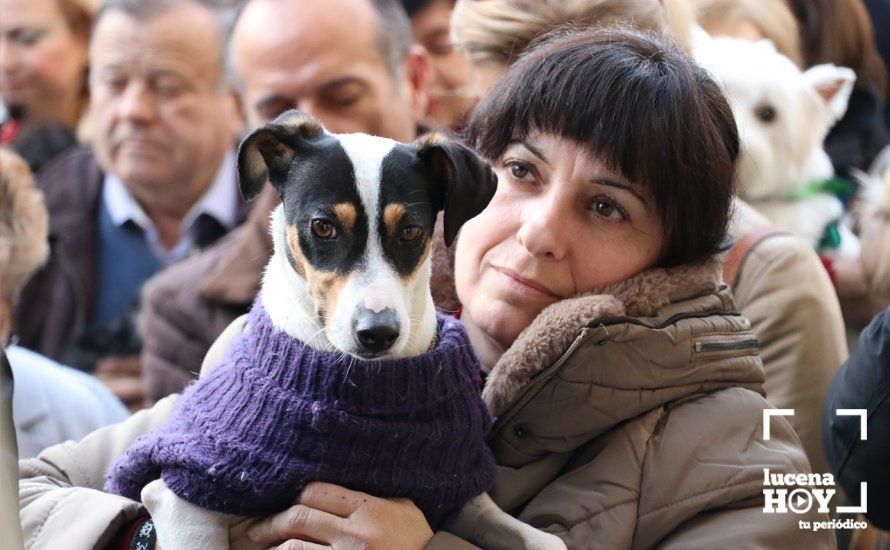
(534,150)
(621,185)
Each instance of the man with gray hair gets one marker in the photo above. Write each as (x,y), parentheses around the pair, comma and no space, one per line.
(156,184)
(349,63)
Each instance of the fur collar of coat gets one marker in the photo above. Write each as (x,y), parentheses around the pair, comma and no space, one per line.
(549,336)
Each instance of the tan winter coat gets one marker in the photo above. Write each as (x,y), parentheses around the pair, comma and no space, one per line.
(782,288)
(627,419)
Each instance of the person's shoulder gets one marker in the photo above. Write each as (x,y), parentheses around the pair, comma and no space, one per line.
(67,390)
(70,181)
(30,364)
(865,376)
(783,258)
(175,295)
(184,278)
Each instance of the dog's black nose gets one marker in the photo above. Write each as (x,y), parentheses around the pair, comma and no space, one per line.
(376,332)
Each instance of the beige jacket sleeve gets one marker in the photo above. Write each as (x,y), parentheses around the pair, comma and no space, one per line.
(61,501)
(785,292)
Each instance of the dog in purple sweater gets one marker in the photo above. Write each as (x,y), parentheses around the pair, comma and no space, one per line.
(344,372)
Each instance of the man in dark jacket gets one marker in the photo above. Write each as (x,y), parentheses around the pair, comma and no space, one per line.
(157,184)
(863,383)
(349,64)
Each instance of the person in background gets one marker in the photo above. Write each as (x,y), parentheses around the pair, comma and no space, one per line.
(43,75)
(449,102)
(157,183)
(348,63)
(752,20)
(799,325)
(51,403)
(840,32)
(863,383)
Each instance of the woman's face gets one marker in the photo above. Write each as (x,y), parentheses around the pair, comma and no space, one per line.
(560,224)
(42,61)
(449,70)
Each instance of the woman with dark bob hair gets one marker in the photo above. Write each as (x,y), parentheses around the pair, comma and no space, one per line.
(626,387)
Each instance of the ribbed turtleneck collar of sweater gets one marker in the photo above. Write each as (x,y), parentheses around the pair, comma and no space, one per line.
(278,414)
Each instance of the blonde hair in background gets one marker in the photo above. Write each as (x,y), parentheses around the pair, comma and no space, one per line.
(772,18)
(500,30)
(24,227)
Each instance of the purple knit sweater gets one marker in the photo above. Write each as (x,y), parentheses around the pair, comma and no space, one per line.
(277,414)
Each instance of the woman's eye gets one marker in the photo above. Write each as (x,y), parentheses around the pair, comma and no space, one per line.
(607,209)
(519,171)
(411,233)
(323,229)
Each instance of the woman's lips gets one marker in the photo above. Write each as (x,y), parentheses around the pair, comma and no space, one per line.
(524,285)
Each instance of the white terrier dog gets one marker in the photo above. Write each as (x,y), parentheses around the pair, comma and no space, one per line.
(783,116)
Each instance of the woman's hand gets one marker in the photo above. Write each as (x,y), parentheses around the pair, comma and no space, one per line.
(330,516)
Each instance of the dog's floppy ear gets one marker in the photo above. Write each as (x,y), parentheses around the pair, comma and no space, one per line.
(466,183)
(269,151)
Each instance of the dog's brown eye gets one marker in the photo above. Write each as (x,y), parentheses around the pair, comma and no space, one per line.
(323,229)
(766,113)
(411,233)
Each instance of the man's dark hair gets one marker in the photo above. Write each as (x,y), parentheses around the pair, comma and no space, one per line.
(641,105)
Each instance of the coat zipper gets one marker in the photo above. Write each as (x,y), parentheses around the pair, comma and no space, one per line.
(727,345)
(503,418)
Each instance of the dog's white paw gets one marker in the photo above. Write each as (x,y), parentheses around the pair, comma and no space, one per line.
(181,525)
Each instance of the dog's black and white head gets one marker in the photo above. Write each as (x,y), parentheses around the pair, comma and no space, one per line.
(350,270)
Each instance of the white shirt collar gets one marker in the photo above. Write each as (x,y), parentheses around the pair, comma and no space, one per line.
(219,201)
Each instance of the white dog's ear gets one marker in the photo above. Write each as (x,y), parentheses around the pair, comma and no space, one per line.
(834,85)
(267,153)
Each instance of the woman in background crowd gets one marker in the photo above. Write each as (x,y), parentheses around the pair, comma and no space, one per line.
(43,75)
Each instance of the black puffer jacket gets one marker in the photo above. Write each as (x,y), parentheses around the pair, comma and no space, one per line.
(863,383)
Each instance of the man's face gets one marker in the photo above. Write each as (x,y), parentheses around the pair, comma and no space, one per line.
(450,100)
(323,58)
(162,120)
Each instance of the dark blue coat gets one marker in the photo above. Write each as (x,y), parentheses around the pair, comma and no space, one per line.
(863,383)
